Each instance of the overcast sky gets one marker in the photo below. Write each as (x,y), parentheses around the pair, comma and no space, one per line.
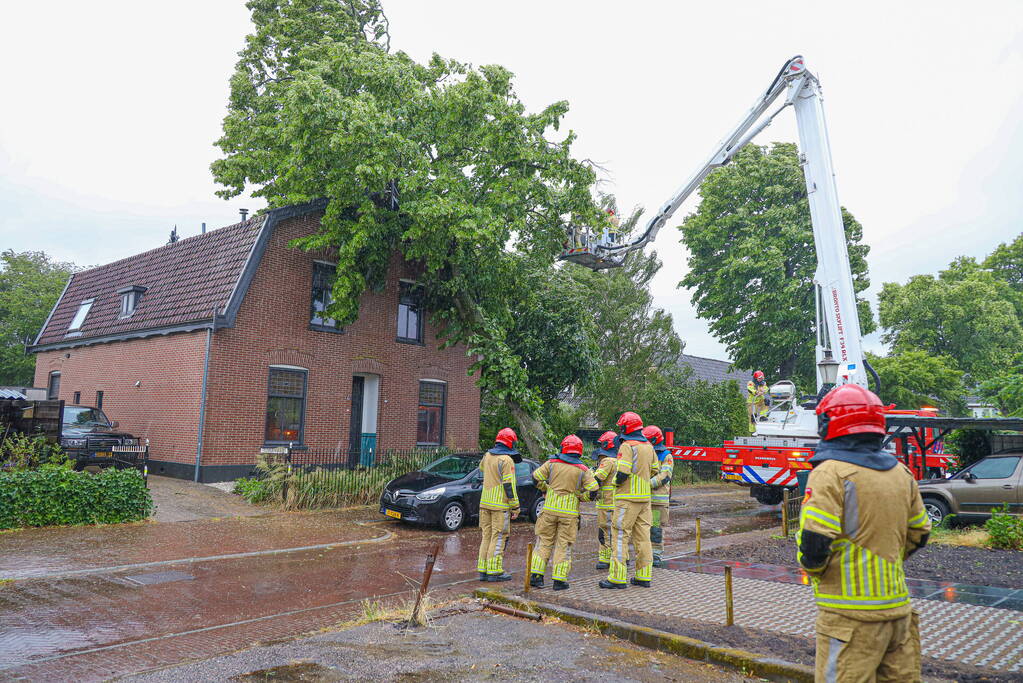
(111,109)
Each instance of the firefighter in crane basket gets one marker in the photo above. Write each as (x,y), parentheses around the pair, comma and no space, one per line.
(567,481)
(660,492)
(604,457)
(499,504)
(862,516)
(757,398)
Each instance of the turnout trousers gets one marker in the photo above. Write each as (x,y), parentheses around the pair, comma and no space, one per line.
(659,520)
(630,520)
(495,526)
(849,650)
(554,533)
(604,534)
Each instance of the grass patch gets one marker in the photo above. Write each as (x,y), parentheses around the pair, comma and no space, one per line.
(399,612)
(971,537)
(4,582)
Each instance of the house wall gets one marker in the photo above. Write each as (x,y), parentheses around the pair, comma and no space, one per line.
(272,328)
(164,408)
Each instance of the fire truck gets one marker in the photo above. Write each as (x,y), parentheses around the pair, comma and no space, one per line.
(768,460)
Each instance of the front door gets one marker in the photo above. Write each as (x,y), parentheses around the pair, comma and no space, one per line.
(355,429)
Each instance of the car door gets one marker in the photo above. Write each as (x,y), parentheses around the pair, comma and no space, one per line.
(525,486)
(995,483)
(473,492)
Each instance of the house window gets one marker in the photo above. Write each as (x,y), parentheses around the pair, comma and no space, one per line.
(79,319)
(430,420)
(323,282)
(285,405)
(99,400)
(410,313)
(78,398)
(53,388)
(130,297)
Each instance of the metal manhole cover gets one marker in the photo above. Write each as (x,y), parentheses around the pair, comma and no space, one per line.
(159,577)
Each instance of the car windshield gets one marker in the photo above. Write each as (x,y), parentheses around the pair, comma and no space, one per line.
(453,466)
(84,417)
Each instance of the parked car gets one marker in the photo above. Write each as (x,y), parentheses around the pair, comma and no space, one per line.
(974,492)
(447,492)
(89,437)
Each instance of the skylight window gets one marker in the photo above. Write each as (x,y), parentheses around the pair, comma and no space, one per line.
(79,319)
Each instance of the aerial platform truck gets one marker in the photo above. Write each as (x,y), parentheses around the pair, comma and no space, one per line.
(767,461)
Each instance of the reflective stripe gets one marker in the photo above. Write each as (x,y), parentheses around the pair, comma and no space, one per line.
(918,522)
(850,509)
(831,670)
(820,516)
(565,503)
(839,602)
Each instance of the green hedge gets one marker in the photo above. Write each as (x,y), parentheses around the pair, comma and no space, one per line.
(55,495)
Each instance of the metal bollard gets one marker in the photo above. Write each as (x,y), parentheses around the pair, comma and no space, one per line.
(785,513)
(697,535)
(729,613)
(529,564)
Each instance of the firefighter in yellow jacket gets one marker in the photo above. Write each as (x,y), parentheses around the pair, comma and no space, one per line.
(605,458)
(499,505)
(567,481)
(635,466)
(862,516)
(660,494)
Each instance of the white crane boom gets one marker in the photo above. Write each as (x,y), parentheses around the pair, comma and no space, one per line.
(838,325)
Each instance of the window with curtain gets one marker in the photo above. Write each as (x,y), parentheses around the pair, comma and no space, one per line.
(285,405)
(430,422)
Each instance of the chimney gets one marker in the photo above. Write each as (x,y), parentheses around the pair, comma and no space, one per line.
(173,236)
(244,213)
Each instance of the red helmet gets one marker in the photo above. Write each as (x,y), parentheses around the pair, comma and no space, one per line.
(654,434)
(607,439)
(507,437)
(572,444)
(758,375)
(850,409)
(630,422)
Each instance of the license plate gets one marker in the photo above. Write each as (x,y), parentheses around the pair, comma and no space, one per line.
(393,513)
(734,476)
(104,454)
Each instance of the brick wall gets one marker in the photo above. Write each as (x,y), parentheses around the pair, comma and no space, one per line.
(163,409)
(272,328)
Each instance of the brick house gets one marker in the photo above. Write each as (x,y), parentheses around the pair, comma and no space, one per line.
(214,347)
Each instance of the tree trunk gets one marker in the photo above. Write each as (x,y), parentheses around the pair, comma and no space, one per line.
(530,430)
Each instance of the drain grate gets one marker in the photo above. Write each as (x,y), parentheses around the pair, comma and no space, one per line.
(154,578)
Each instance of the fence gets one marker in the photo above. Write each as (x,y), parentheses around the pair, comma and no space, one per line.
(32,418)
(324,478)
(791,506)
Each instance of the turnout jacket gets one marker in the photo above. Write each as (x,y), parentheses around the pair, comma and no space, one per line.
(637,460)
(499,492)
(566,483)
(605,476)
(861,517)
(660,496)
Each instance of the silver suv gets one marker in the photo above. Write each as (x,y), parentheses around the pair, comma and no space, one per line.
(974,492)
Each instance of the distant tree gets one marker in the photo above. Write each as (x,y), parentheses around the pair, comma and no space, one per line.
(1005,389)
(913,379)
(319,108)
(1006,262)
(965,314)
(701,413)
(752,261)
(30,284)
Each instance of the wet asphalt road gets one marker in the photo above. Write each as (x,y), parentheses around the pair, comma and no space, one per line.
(91,603)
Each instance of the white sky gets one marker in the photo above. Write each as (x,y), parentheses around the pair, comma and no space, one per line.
(111,107)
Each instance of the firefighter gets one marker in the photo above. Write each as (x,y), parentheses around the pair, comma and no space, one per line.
(604,458)
(660,494)
(636,464)
(756,397)
(861,517)
(567,481)
(499,504)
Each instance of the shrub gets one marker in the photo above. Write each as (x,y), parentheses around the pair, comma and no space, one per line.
(24,452)
(57,495)
(1005,530)
(251,489)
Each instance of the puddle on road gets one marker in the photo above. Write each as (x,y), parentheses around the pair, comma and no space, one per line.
(299,672)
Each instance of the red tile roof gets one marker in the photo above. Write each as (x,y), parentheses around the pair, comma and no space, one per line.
(186,282)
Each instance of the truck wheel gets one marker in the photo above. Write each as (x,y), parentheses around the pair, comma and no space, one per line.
(767,495)
(937,510)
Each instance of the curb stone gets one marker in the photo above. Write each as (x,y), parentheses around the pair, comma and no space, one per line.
(770,668)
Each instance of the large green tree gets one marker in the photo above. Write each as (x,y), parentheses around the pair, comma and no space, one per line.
(752,260)
(913,379)
(320,108)
(1005,389)
(30,283)
(966,313)
(1006,263)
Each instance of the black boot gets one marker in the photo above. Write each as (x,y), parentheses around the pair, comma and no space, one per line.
(536,581)
(603,565)
(560,585)
(497,578)
(607,584)
(639,582)
(658,561)
(483,577)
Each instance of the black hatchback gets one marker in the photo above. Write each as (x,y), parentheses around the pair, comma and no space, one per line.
(447,492)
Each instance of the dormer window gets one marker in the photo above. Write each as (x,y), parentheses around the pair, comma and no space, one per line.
(79,319)
(130,297)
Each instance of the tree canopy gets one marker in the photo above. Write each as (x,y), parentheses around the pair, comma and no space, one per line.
(752,261)
(319,108)
(30,284)
(914,379)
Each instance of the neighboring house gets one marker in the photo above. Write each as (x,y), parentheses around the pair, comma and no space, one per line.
(980,407)
(714,371)
(216,346)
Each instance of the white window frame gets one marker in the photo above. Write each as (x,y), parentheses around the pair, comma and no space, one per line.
(81,314)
